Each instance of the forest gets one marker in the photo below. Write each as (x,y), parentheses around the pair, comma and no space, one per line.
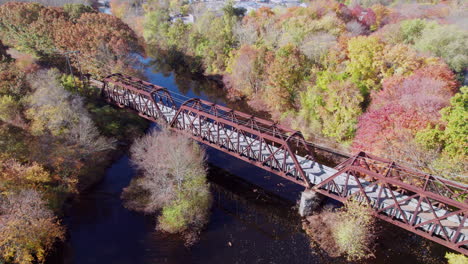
(385,77)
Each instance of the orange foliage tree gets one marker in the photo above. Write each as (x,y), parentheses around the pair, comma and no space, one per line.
(104,42)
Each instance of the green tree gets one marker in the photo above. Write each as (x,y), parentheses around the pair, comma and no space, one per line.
(74,11)
(448,42)
(450,139)
(412,30)
(4,56)
(365,55)
(331,106)
(156,25)
(213,38)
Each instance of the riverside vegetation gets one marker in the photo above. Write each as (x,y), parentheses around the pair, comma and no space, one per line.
(378,76)
(349,231)
(56,136)
(172,182)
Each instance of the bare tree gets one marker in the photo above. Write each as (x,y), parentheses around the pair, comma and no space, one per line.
(355,28)
(54,110)
(174,180)
(316,45)
(246,33)
(166,160)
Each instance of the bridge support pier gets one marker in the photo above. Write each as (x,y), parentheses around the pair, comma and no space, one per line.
(310,201)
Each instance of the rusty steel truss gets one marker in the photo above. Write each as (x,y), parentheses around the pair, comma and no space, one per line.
(429,206)
(426,205)
(257,141)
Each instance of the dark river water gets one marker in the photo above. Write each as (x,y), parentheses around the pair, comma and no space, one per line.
(253,219)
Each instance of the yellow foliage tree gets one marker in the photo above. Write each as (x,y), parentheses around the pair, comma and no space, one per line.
(28,229)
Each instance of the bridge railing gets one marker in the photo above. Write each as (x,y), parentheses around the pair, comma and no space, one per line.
(257,141)
(144,97)
(430,206)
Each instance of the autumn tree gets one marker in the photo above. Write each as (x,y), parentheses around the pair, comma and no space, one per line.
(173,179)
(285,78)
(28,229)
(404,107)
(330,107)
(363,66)
(400,60)
(104,41)
(449,138)
(29,26)
(247,70)
(13,88)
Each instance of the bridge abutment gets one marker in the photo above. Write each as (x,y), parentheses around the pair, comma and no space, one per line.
(310,201)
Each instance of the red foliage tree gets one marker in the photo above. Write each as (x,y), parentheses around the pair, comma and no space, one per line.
(403,107)
(365,16)
(388,127)
(102,40)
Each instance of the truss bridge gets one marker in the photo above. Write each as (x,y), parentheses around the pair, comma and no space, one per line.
(430,206)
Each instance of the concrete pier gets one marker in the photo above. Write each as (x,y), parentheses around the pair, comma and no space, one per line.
(310,201)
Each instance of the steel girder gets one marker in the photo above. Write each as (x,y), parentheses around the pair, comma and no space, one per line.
(254,140)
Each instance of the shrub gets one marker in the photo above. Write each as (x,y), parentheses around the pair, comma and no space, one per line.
(348,232)
(454,258)
(354,232)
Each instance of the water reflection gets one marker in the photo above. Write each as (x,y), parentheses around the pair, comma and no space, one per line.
(173,72)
